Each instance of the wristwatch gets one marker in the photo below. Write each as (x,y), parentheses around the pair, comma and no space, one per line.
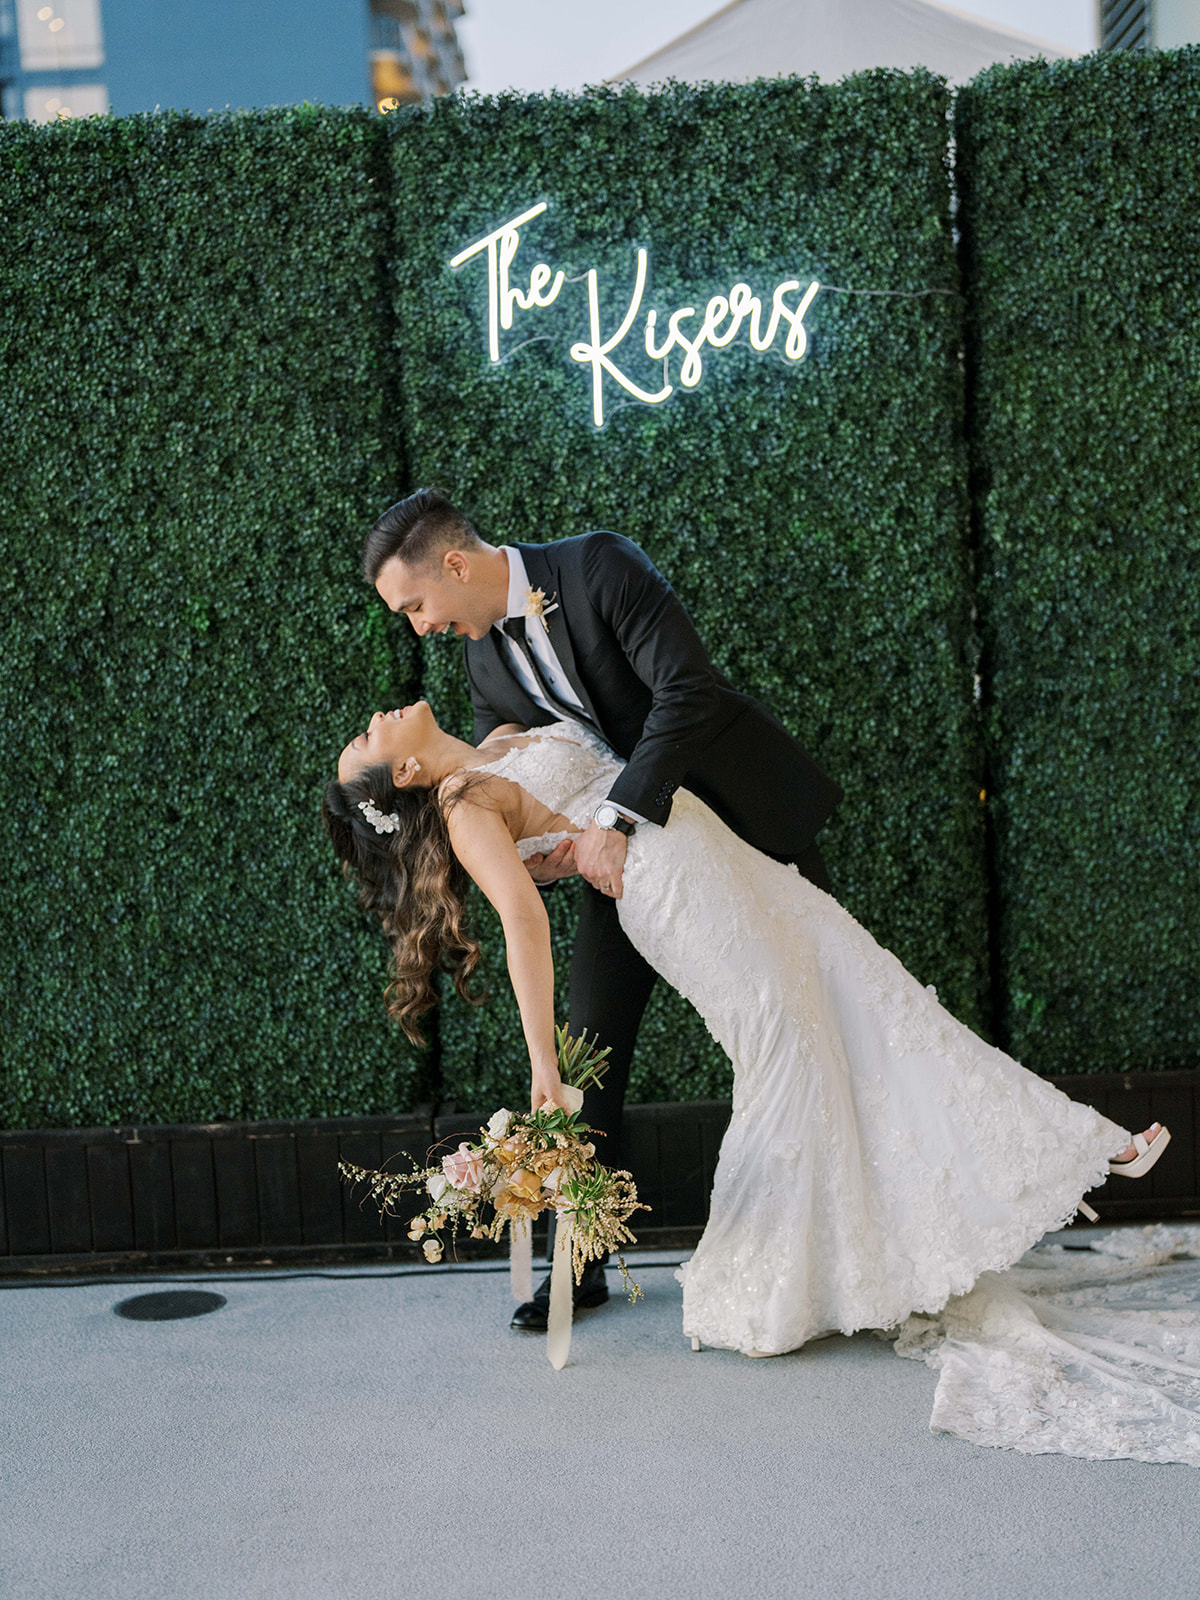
(608,817)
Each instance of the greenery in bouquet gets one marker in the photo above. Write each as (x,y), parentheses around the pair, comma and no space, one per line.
(522,1164)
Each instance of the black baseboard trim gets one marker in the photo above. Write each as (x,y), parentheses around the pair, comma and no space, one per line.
(216,1197)
(90,1266)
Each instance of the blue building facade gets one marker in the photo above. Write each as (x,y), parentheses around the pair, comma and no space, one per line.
(61,58)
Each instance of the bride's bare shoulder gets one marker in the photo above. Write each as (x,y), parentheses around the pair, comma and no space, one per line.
(473,786)
(482,810)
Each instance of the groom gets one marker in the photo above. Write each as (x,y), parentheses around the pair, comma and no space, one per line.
(589,628)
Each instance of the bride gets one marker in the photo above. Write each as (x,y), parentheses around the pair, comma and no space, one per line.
(880,1157)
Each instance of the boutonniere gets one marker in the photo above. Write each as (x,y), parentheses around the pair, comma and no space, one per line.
(535,606)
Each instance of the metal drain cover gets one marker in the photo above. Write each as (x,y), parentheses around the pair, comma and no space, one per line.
(169,1305)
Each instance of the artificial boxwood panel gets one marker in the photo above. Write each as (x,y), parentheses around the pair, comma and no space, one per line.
(811,516)
(197,426)
(1080,187)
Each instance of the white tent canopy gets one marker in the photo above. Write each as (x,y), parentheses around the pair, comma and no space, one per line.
(762,38)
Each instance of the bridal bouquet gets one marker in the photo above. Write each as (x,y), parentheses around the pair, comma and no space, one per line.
(522,1164)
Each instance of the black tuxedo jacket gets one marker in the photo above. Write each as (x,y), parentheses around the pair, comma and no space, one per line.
(645,680)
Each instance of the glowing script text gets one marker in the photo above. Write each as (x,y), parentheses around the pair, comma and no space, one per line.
(722,319)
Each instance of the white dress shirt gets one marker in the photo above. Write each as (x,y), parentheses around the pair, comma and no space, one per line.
(539,644)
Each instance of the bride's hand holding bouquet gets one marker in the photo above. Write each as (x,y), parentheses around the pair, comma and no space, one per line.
(523,1164)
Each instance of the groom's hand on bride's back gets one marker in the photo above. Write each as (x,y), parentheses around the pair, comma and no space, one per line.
(560,863)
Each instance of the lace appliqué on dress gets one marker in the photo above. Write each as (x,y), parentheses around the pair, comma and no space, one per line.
(566,767)
(542,844)
(1082,1353)
(880,1157)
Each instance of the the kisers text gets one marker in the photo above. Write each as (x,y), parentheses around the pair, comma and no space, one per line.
(721,321)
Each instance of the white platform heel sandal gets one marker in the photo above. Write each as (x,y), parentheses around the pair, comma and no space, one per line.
(1148,1152)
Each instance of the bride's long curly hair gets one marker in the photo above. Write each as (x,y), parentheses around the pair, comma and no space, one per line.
(413,882)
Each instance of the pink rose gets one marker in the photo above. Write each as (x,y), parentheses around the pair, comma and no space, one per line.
(464,1169)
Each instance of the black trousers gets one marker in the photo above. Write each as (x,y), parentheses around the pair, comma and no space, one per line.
(609,990)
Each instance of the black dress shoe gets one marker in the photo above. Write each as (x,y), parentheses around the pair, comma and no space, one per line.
(532,1316)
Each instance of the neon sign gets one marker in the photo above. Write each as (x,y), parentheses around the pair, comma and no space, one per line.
(721,321)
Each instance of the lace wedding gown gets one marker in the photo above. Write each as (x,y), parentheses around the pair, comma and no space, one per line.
(880,1157)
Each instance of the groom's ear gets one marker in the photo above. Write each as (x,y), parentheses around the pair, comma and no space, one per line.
(456,566)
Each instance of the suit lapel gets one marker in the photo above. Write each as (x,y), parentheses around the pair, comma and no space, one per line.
(493,661)
(542,576)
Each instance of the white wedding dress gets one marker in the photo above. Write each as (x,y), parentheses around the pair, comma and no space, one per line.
(880,1158)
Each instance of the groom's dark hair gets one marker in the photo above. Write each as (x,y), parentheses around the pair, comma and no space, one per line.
(422,525)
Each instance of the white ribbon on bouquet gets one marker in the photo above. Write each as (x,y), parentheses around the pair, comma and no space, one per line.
(562,1300)
(562,1297)
(520,1260)
(520,1267)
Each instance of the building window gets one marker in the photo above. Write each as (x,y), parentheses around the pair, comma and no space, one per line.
(51,102)
(414,51)
(1125,25)
(57,35)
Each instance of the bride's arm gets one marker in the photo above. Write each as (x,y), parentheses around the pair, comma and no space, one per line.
(485,847)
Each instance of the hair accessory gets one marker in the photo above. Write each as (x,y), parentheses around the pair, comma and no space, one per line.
(382,824)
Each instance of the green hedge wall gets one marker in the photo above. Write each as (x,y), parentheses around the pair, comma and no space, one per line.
(197,425)
(1080,189)
(231,341)
(813,517)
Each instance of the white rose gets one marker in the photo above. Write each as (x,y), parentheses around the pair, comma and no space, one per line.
(498,1124)
(572,1098)
(437,1186)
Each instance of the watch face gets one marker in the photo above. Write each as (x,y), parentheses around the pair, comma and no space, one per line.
(606,816)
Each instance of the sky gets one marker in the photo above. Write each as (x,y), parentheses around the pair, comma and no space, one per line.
(543,44)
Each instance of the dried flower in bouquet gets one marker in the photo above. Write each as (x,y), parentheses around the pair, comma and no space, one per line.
(523,1163)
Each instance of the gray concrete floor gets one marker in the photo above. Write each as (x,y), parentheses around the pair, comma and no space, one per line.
(360,1432)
